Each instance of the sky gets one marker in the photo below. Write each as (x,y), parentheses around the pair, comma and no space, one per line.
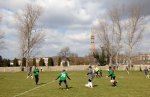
(66,23)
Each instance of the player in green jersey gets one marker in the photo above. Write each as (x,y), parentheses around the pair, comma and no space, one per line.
(62,78)
(36,74)
(100,71)
(113,76)
(96,71)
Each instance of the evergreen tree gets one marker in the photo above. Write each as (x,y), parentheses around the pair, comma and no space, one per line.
(101,57)
(8,62)
(1,61)
(50,61)
(59,61)
(5,63)
(34,62)
(97,56)
(15,61)
(41,62)
(24,61)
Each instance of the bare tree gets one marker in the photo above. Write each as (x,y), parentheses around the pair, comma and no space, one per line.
(65,56)
(116,15)
(1,36)
(106,37)
(110,32)
(65,52)
(31,36)
(134,28)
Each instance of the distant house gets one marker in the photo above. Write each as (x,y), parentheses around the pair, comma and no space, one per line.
(141,59)
(11,63)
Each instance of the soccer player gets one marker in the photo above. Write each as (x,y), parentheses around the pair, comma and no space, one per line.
(127,69)
(41,69)
(100,71)
(146,72)
(96,69)
(29,71)
(36,74)
(62,78)
(113,76)
(91,77)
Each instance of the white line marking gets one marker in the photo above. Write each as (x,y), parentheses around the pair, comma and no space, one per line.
(3,78)
(33,89)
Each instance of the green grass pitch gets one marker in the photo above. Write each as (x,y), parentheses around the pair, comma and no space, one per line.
(16,85)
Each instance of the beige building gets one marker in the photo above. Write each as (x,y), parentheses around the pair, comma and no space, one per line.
(141,59)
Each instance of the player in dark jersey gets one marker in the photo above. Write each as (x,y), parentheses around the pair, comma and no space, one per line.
(91,77)
(146,72)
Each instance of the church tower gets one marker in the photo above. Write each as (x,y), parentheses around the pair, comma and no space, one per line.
(92,43)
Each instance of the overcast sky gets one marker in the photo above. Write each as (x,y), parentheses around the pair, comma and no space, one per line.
(65,23)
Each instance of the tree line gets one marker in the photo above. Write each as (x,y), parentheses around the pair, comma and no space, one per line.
(52,61)
(14,63)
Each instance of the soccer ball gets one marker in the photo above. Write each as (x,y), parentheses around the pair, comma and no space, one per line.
(86,85)
(89,85)
(112,81)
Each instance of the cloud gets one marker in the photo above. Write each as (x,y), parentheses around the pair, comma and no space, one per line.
(68,13)
(65,23)
(13,5)
(11,49)
(145,4)
(77,41)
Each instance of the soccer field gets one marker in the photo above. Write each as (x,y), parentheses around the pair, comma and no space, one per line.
(16,85)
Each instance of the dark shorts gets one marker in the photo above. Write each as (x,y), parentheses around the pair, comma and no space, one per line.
(36,76)
(96,72)
(113,78)
(62,81)
(146,73)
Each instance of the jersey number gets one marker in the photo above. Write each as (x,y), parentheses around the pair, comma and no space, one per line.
(63,75)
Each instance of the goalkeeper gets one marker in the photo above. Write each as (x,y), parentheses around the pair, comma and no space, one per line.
(62,78)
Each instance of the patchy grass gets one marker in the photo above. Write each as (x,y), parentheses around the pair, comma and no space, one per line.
(133,85)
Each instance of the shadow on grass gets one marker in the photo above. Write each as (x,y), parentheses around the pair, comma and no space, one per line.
(41,83)
(2,78)
(95,85)
(70,87)
(65,88)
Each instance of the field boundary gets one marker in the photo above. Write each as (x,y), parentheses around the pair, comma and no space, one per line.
(71,68)
(33,89)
